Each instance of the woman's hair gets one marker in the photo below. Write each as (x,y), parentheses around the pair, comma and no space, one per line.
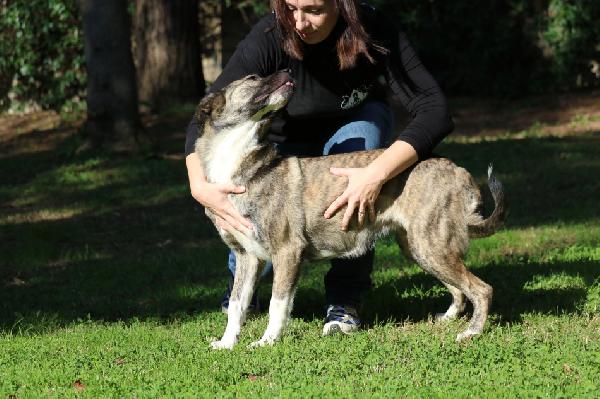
(353,41)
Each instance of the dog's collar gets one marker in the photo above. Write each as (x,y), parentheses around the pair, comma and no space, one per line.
(271,108)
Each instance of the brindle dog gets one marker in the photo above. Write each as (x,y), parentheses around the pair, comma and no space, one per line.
(431,208)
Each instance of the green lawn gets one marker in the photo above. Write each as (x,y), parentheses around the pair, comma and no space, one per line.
(110,279)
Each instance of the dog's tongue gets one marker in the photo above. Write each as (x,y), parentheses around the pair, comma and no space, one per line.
(276,83)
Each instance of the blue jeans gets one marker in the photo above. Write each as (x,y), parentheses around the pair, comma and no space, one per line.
(370,127)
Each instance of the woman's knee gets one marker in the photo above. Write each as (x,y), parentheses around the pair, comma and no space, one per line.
(368,129)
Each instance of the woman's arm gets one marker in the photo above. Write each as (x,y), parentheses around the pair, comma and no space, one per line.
(215,197)
(422,97)
(420,94)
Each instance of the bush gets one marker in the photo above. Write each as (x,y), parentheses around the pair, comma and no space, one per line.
(41,52)
(504,47)
(572,33)
(494,47)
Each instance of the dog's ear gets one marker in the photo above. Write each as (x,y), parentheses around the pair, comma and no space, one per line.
(209,107)
(212,104)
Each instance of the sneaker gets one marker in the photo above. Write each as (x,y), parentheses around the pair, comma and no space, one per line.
(342,319)
(253,307)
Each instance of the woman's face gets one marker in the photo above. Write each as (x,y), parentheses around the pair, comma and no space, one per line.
(313,19)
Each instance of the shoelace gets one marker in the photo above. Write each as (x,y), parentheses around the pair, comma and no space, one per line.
(343,314)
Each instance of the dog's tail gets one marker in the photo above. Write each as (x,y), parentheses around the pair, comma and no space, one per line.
(489,226)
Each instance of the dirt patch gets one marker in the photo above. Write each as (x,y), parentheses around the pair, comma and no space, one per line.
(561,114)
(557,115)
(33,132)
(13,125)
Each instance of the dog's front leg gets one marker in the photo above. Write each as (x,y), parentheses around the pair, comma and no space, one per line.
(285,278)
(244,283)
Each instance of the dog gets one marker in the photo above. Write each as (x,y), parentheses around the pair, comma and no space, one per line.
(432,208)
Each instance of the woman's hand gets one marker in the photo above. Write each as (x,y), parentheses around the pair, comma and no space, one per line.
(364,185)
(216,197)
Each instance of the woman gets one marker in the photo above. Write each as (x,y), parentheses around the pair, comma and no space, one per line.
(338,52)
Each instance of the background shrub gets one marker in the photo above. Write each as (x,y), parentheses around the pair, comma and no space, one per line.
(41,51)
(503,48)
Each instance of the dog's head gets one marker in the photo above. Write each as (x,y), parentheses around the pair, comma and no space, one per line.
(250,99)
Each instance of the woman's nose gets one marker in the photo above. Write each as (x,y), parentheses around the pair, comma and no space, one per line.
(301,22)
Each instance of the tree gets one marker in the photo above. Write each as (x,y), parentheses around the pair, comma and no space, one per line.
(112,103)
(167,52)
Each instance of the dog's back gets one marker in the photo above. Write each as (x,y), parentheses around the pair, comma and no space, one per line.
(436,197)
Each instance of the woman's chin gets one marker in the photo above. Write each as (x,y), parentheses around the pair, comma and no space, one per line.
(311,38)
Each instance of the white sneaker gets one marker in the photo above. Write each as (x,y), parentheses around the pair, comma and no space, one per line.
(342,319)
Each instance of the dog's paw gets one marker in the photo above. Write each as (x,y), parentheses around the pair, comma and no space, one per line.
(448,316)
(262,342)
(222,344)
(443,317)
(467,335)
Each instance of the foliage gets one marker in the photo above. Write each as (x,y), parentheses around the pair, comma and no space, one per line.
(572,32)
(504,47)
(256,7)
(495,47)
(41,51)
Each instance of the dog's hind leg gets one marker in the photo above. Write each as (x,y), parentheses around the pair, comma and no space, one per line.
(447,265)
(480,295)
(402,241)
(456,307)
(453,272)
(244,283)
(285,279)
(458,298)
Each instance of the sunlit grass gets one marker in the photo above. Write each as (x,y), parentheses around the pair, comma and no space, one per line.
(111,279)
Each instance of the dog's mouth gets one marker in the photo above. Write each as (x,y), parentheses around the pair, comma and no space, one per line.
(278,82)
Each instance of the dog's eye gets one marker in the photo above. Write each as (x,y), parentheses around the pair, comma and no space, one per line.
(253,77)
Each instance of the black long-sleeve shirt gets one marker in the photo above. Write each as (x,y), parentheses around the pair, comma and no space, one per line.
(324,95)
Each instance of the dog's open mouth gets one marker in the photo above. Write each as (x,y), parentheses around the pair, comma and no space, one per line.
(286,85)
(278,82)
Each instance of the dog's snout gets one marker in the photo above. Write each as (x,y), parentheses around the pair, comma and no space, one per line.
(272,83)
(285,74)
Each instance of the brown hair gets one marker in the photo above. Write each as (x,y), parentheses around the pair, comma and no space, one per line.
(353,41)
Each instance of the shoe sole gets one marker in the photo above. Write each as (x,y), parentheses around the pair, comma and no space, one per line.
(334,330)
(336,327)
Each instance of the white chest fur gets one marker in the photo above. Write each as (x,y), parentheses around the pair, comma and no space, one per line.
(229,150)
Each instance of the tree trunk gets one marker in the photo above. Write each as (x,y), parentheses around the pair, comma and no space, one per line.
(112,115)
(168,57)
(211,42)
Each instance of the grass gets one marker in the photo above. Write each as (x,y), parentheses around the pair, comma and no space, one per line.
(110,280)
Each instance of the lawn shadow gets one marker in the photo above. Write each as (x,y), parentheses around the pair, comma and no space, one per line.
(118,260)
(546,180)
(127,262)
(153,286)
(518,289)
